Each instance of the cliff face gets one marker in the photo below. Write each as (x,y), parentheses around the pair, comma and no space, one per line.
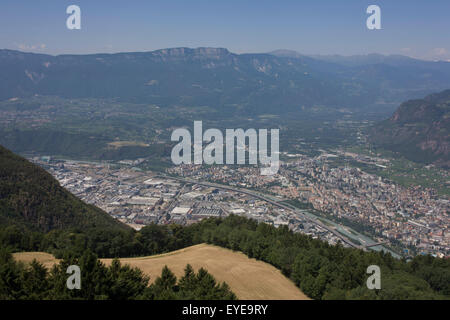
(419,129)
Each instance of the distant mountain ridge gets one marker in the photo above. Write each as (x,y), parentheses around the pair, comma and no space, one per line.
(363,59)
(419,129)
(250,83)
(32,199)
(374,58)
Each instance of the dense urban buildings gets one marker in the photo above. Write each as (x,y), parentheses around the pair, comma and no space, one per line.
(408,219)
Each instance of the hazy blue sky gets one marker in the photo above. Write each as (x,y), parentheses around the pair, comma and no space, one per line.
(416,28)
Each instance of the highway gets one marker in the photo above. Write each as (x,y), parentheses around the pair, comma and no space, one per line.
(271,201)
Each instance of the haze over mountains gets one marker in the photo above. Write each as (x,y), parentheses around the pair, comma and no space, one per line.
(364,59)
(282,82)
(274,83)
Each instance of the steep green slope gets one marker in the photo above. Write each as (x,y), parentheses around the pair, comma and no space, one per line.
(419,129)
(32,199)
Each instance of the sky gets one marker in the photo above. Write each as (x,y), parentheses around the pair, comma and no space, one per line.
(415,28)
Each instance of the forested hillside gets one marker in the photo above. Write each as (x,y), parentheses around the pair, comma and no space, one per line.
(419,130)
(30,198)
(320,270)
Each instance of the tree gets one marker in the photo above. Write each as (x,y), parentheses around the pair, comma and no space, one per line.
(35,282)
(164,287)
(127,283)
(11,286)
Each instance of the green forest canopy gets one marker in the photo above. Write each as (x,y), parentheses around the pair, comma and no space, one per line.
(320,270)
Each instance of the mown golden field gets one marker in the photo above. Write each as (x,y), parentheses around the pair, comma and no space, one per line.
(248,278)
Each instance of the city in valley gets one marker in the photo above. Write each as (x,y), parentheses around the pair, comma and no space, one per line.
(308,195)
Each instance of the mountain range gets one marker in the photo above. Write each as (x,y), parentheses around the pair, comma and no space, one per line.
(275,83)
(419,129)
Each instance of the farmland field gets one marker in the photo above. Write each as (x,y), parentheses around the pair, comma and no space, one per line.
(248,278)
